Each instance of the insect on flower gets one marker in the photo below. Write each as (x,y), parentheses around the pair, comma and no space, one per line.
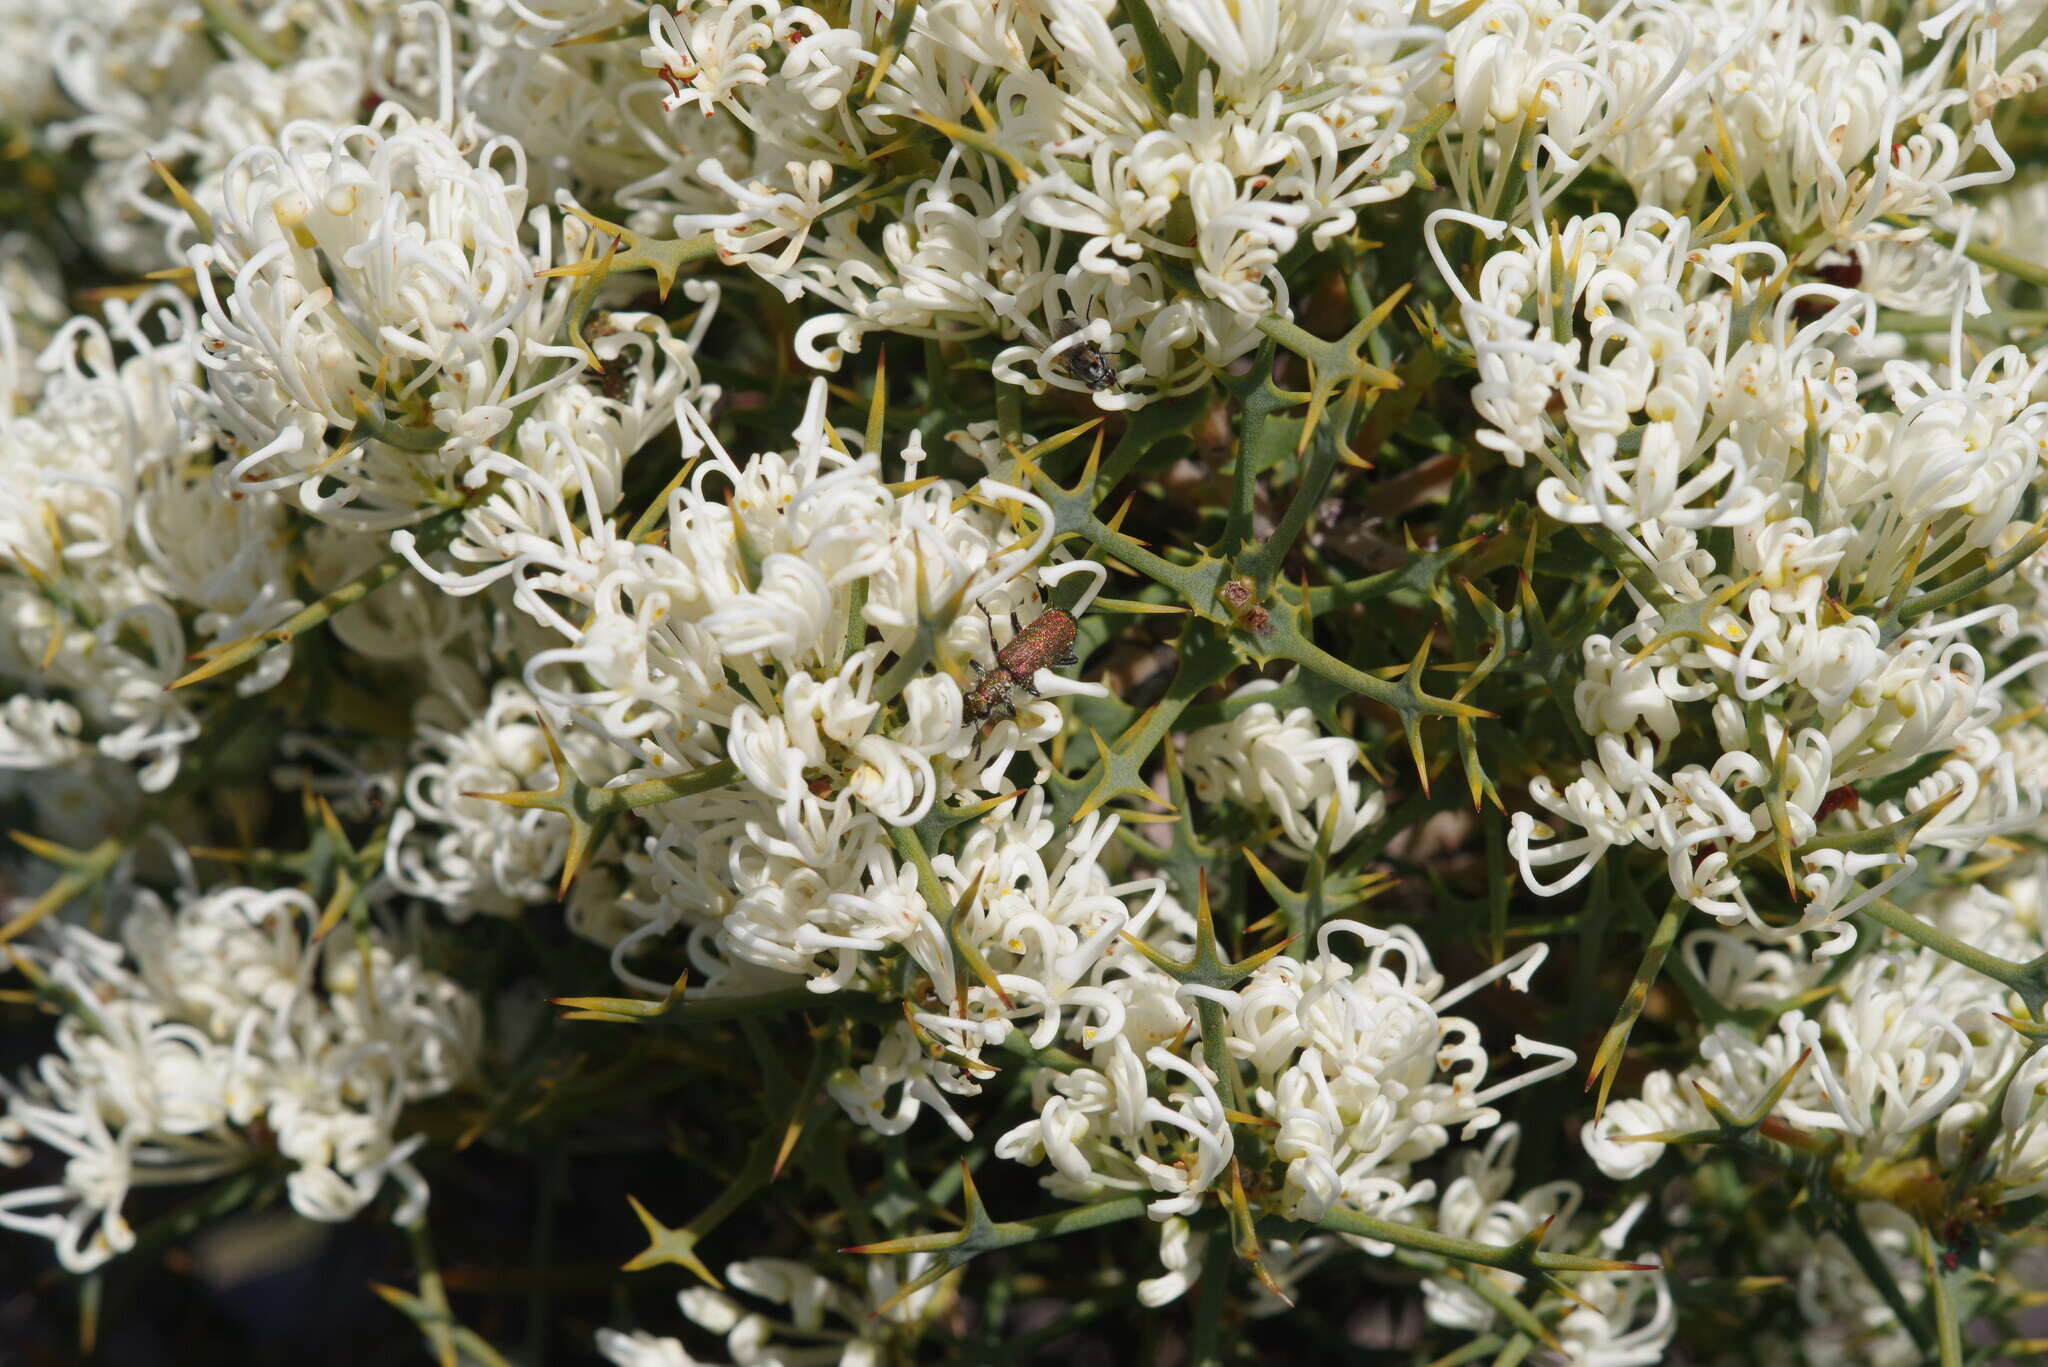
(990,691)
(1083,362)
(1046,641)
(1844,798)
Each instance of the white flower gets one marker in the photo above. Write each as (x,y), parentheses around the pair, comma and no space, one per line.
(1180,1253)
(38,733)
(642,1349)
(383,319)
(94,480)
(230,1017)
(1283,765)
(716,56)
(463,851)
(816,1319)
(1360,1073)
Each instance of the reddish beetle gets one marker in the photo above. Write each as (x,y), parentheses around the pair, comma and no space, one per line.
(990,691)
(1046,642)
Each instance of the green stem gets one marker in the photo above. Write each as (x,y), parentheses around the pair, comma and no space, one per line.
(911,849)
(430,535)
(992,1235)
(1945,1307)
(1074,1220)
(751,1178)
(1993,569)
(2026,980)
(1856,1239)
(1288,644)
(1154,567)
(223,17)
(1206,1347)
(1162,71)
(1989,324)
(665,789)
(788,999)
(438,1323)
(85,872)
(1244,478)
(547,1204)
(1990,257)
(1296,339)
(1216,1052)
(1052,1056)
(1607,1060)
(1510,1258)
(1632,569)
(1263,564)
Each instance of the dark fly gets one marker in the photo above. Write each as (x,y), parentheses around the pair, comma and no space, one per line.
(1084,362)
(1045,642)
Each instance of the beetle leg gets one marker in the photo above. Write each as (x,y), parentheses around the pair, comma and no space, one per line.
(1027,685)
(1070,658)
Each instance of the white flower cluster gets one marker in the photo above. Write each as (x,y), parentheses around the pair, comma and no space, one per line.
(759,621)
(821,1320)
(465,852)
(1904,1045)
(1844,1312)
(1786,398)
(114,549)
(1775,505)
(1281,764)
(1044,925)
(1620,1321)
(1839,120)
(220,1037)
(387,322)
(738,630)
(1284,122)
(1357,1067)
(134,82)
